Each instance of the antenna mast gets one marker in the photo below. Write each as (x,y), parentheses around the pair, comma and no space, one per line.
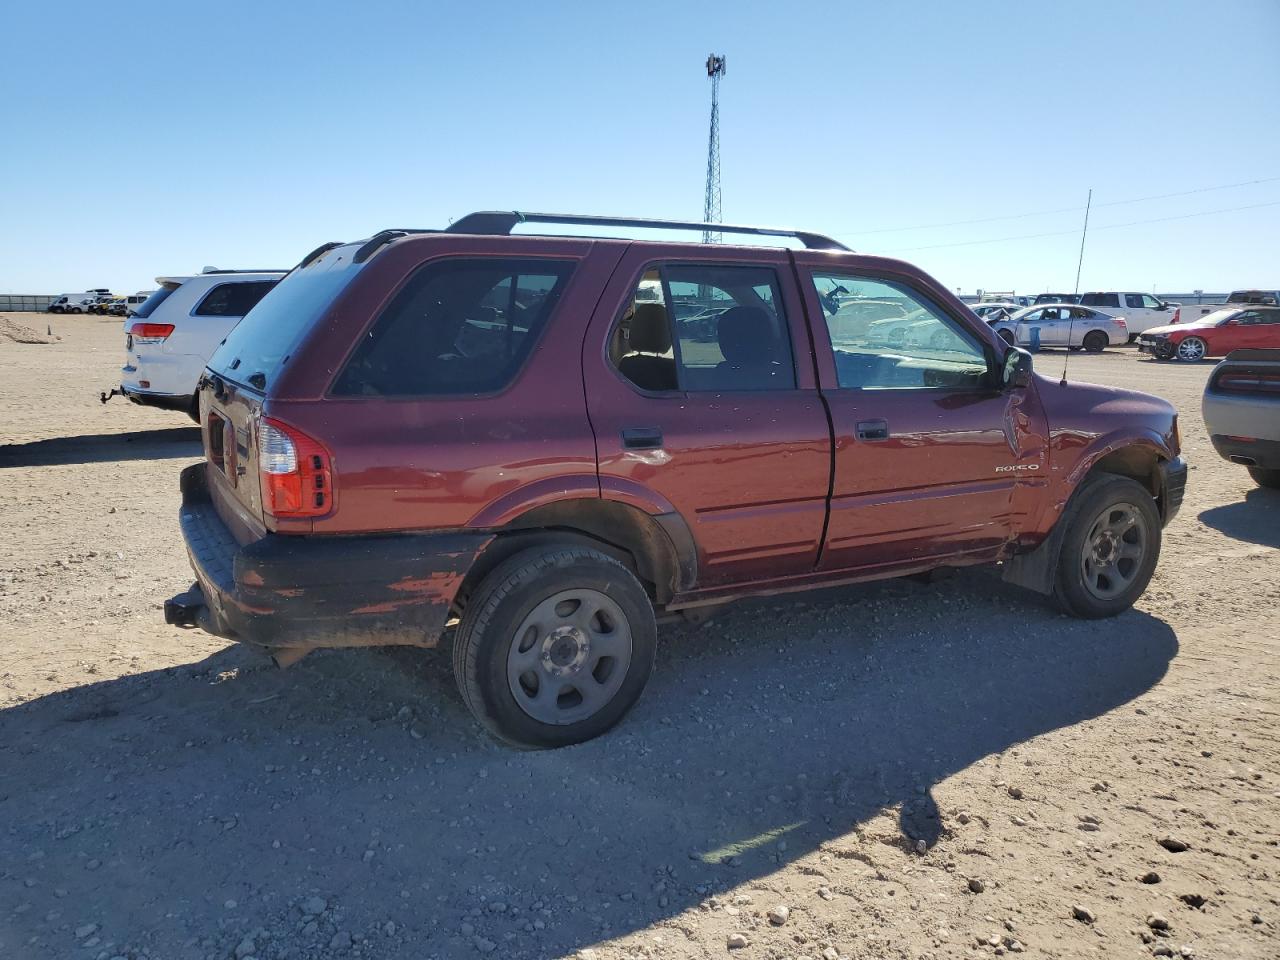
(1079,263)
(711,205)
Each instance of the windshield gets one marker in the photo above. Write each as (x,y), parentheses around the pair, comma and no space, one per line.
(1215,318)
(261,343)
(148,306)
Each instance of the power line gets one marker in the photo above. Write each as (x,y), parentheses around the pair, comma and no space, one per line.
(1045,213)
(1110,226)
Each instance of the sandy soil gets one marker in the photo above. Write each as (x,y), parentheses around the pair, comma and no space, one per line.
(916,771)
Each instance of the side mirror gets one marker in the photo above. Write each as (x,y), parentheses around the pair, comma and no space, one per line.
(1163,306)
(1017,368)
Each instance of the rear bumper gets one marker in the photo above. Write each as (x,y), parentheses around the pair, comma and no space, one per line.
(1173,487)
(315,591)
(1248,453)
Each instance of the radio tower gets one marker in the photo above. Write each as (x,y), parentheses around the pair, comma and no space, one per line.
(711,207)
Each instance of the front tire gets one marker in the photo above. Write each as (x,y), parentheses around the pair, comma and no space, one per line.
(1191,350)
(1109,550)
(1265,478)
(554,647)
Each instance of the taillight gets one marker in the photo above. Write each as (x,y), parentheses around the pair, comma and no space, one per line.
(1177,315)
(151,331)
(1120,322)
(295,472)
(1248,381)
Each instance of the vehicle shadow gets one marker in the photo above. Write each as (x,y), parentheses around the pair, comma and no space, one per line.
(162,444)
(359,777)
(1255,520)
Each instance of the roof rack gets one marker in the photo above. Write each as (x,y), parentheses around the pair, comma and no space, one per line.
(502,222)
(213,271)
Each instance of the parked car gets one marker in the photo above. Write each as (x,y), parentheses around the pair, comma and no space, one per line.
(76,302)
(991,312)
(1215,335)
(462,425)
(100,305)
(1140,311)
(135,300)
(1055,298)
(1188,312)
(170,337)
(1063,325)
(1242,412)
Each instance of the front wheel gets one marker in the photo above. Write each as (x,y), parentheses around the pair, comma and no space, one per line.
(1265,478)
(1192,350)
(1109,550)
(555,646)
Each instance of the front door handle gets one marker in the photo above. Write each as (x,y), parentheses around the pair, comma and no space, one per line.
(642,438)
(873,430)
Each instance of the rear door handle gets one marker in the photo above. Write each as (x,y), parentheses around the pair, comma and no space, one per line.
(642,438)
(873,430)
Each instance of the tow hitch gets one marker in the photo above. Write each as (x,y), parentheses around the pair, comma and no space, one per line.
(184,609)
(104,396)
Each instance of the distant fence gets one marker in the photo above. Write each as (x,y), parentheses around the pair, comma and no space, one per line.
(13,302)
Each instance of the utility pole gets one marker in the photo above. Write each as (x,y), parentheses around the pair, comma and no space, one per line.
(711,205)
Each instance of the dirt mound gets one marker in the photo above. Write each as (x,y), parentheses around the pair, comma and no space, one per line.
(12,330)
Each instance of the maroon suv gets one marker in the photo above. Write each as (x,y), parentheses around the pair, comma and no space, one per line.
(537,444)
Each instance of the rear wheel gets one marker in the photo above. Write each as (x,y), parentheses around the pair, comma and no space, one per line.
(1192,350)
(1266,478)
(1095,341)
(554,647)
(1110,548)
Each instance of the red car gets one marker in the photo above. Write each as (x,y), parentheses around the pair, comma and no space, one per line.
(1215,334)
(512,444)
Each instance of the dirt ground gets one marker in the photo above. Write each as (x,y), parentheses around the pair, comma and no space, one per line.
(947,770)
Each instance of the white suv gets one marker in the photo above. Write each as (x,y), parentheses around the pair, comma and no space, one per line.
(1140,311)
(170,337)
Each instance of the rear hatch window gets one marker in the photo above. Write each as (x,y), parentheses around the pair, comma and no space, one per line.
(253,353)
(158,297)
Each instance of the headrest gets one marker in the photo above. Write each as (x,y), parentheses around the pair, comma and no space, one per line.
(650,331)
(746,335)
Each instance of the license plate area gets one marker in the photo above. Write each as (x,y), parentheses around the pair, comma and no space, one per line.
(222,444)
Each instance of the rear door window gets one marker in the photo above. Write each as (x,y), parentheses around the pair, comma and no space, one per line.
(233,299)
(1134,300)
(705,328)
(459,326)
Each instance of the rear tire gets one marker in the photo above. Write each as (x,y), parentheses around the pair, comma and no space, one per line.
(1265,478)
(1110,548)
(193,410)
(555,646)
(1095,341)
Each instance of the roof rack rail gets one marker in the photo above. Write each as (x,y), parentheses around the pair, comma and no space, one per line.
(213,271)
(317,252)
(502,222)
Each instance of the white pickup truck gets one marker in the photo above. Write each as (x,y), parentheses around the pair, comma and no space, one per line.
(1188,312)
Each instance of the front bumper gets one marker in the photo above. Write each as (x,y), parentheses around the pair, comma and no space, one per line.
(1160,349)
(1173,487)
(317,591)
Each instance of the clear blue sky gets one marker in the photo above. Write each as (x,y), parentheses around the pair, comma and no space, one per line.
(141,139)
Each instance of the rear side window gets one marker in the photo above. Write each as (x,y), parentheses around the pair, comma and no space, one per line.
(705,328)
(233,299)
(1101,300)
(1134,300)
(459,326)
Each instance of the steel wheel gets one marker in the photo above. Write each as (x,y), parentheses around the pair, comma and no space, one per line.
(1113,550)
(569,656)
(1192,349)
